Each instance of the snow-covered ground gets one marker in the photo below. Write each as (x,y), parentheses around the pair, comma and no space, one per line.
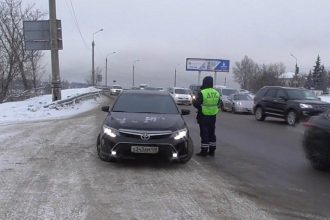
(33,109)
(325,98)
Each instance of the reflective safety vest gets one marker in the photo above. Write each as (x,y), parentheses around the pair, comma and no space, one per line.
(210,101)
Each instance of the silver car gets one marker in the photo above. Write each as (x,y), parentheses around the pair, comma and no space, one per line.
(240,102)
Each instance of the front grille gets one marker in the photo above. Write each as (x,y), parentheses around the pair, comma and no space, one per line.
(137,134)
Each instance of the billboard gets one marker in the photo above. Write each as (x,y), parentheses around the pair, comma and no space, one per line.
(212,65)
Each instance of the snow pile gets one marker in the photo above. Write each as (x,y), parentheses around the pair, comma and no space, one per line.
(33,109)
(325,98)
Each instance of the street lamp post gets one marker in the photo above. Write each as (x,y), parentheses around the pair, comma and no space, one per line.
(175,74)
(134,70)
(295,82)
(106,68)
(296,67)
(93,66)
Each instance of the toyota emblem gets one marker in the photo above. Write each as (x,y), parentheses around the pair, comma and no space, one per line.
(145,136)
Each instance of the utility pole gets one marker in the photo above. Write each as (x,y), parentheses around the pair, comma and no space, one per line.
(175,74)
(56,80)
(133,76)
(93,68)
(175,77)
(133,83)
(106,71)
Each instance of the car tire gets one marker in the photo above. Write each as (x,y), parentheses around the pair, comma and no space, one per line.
(259,114)
(189,154)
(233,110)
(317,162)
(291,118)
(102,156)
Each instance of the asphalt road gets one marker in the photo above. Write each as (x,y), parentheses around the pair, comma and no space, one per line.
(265,162)
(50,170)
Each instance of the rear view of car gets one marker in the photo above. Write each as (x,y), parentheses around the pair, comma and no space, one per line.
(316,141)
(182,96)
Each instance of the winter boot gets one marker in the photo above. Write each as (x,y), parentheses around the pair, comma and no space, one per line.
(212,152)
(203,152)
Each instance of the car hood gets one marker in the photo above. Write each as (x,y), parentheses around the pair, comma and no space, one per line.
(245,103)
(145,121)
(321,121)
(312,102)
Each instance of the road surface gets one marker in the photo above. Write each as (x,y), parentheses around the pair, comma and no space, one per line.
(50,170)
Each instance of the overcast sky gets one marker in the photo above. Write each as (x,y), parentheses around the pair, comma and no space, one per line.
(163,33)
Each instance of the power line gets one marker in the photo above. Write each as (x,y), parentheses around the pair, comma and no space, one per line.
(73,14)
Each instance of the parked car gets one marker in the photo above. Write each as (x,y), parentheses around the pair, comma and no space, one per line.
(142,124)
(181,95)
(291,104)
(116,90)
(240,102)
(195,89)
(225,93)
(316,142)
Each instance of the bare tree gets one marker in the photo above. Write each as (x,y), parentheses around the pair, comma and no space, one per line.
(14,60)
(245,71)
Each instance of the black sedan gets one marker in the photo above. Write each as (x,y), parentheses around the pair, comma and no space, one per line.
(317,141)
(143,124)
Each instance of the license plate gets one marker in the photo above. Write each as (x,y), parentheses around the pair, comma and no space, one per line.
(144,150)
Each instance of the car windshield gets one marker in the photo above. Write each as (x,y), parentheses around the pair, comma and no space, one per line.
(145,103)
(228,92)
(300,94)
(243,97)
(117,87)
(182,91)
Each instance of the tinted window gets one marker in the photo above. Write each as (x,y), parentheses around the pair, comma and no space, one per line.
(261,92)
(117,87)
(281,93)
(299,94)
(182,91)
(145,103)
(228,91)
(271,93)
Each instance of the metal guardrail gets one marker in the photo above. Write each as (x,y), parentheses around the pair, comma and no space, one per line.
(75,99)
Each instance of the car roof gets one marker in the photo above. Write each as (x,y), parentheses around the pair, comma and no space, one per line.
(145,92)
(284,87)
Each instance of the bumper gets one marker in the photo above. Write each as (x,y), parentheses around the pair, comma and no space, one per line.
(244,110)
(167,148)
(183,102)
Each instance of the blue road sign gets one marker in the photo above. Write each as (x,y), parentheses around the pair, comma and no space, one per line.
(212,65)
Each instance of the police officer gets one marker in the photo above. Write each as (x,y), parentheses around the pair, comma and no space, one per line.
(207,103)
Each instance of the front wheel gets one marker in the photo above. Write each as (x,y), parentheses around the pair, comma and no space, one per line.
(99,153)
(291,118)
(259,114)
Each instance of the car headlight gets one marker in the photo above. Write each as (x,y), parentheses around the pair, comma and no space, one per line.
(110,131)
(302,105)
(194,97)
(176,95)
(239,103)
(180,134)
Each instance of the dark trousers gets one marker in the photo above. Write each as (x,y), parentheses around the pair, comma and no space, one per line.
(207,132)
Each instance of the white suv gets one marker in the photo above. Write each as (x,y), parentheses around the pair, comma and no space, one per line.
(181,95)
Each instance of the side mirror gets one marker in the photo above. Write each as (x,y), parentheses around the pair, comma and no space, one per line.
(185,112)
(105,108)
